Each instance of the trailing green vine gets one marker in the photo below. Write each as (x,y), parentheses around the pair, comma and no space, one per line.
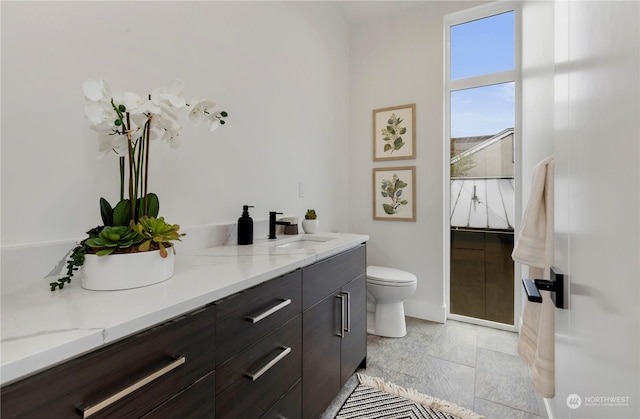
(74,262)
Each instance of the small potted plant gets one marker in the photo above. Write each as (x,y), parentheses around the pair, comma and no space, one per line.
(310,222)
(134,246)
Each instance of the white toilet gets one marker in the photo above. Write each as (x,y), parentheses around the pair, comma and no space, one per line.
(387,289)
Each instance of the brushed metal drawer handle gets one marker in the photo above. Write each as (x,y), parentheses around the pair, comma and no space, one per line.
(92,410)
(267,313)
(285,351)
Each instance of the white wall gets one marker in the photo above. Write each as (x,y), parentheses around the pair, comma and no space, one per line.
(279,68)
(582,90)
(396,61)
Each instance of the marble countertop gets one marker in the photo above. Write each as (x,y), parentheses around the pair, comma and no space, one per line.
(41,328)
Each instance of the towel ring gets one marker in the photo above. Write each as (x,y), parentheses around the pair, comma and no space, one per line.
(555,286)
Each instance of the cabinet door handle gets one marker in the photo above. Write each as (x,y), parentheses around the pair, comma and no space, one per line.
(341,297)
(267,313)
(348,294)
(92,410)
(285,351)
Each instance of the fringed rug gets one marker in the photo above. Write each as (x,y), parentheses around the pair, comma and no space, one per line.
(374,398)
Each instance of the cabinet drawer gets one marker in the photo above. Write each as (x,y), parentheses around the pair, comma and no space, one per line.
(245,317)
(324,277)
(195,402)
(167,358)
(289,406)
(249,383)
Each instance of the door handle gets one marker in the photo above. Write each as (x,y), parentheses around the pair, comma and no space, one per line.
(348,294)
(342,328)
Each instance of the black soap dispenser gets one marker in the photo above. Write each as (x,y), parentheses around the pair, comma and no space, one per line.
(245,226)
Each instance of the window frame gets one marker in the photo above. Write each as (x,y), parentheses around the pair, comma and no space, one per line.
(465,16)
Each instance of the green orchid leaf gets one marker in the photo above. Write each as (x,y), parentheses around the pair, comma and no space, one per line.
(106,212)
(153,206)
(122,213)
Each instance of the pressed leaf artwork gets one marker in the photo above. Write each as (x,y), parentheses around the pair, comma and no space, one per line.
(392,189)
(392,134)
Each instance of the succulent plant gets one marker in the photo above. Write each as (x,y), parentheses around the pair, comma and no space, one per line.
(158,231)
(111,238)
(310,215)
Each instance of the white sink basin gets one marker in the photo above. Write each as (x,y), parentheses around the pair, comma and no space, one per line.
(302,241)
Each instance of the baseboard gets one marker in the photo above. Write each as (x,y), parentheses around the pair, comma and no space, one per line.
(425,311)
(547,408)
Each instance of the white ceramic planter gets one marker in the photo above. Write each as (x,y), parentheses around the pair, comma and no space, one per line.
(125,271)
(310,226)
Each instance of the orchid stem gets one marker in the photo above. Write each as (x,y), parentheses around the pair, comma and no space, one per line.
(121,177)
(132,197)
(146,166)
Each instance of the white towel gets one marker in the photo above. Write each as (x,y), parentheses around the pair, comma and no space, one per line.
(534,248)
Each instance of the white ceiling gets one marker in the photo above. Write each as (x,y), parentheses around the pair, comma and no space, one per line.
(359,11)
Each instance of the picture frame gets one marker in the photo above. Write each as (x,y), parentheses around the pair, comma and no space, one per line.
(394,133)
(394,193)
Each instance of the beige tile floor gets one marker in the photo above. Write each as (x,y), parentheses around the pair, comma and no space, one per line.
(473,366)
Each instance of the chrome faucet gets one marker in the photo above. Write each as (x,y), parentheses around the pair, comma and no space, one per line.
(273,223)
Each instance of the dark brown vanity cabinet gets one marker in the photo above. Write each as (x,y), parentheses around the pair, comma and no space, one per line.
(157,372)
(282,348)
(334,336)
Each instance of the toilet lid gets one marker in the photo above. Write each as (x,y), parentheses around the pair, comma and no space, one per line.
(389,276)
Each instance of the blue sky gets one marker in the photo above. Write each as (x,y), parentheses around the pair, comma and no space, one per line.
(480,47)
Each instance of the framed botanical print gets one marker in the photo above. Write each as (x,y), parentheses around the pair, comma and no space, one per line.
(394,193)
(394,133)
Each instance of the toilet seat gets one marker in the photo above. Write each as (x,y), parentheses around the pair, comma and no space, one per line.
(389,277)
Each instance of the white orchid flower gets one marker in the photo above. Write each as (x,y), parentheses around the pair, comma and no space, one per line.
(170,95)
(172,137)
(96,90)
(167,121)
(132,102)
(100,112)
(213,121)
(200,110)
(108,143)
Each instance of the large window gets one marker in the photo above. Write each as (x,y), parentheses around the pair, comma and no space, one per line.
(481,134)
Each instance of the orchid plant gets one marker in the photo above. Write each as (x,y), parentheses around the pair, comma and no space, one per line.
(126,124)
